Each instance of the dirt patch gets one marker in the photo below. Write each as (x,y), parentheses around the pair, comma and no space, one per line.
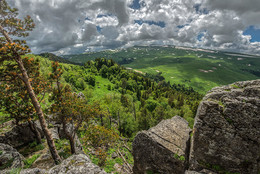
(139,71)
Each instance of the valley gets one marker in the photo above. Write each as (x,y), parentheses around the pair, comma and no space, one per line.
(196,68)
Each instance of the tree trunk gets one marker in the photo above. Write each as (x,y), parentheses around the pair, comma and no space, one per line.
(134,111)
(70,137)
(72,144)
(110,119)
(35,131)
(119,123)
(101,118)
(39,112)
(34,100)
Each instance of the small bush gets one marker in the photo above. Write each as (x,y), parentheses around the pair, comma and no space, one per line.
(33,144)
(39,147)
(64,155)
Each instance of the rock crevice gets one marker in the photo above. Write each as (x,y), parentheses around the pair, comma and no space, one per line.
(226,136)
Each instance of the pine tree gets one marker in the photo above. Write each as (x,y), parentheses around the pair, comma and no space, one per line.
(14,97)
(70,109)
(12,51)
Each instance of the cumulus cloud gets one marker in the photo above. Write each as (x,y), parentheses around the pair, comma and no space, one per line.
(70,26)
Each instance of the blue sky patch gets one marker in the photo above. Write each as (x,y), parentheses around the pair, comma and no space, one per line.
(99,29)
(135,4)
(180,26)
(255,33)
(87,19)
(199,10)
(160,23)
(200,35)
(103,15)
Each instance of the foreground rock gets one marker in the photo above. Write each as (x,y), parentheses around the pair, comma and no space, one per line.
(227,130)
(20,135)
(10,158)
(76,164)
(204,171)
(163,148)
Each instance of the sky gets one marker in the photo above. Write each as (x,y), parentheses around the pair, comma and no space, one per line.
(78,26)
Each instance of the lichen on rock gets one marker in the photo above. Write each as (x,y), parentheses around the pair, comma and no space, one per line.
(227,130)
(163,148)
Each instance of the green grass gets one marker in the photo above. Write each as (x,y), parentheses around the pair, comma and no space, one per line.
(100,90)
(65,146)
(31,148)
(184,66)
(28,162)
(15,171)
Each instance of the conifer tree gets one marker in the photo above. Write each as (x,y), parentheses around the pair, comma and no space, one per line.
(69,109)
(14,98)
(12,50)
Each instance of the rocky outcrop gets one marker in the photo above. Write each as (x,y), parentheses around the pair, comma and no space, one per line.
(163,148)
(10,158)
(20,135)
(204,171)
(76,164)
(225,139)
(227,130)
(33,171)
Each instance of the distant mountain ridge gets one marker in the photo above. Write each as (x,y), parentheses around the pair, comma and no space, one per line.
(53,57)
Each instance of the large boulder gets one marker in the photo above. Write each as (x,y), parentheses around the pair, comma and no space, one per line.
(20,135)
(163,148)
(33,171)
(10,158)
(227,130)
(76,164)
(204,171)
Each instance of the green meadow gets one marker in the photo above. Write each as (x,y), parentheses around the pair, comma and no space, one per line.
(200,69)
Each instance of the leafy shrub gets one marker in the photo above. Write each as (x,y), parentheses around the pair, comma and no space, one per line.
(99,136)
(101,139)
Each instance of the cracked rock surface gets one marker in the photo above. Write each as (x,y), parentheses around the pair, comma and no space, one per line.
(227,130)
(76,164)
(163,148)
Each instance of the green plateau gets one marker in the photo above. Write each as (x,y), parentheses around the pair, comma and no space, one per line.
(197,68)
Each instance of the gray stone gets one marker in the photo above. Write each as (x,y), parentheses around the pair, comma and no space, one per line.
(55,133)
(114,155)
(77,164)
(33,171)
(204,171)
(81,95)
(163,148)
(45,161)
(227,130)
(10,155)
(20,135)
(121,168)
